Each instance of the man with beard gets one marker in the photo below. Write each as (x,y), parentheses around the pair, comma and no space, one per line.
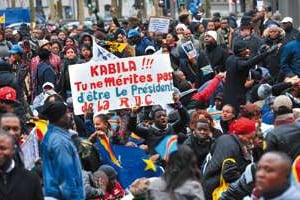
(217,55)
(15,181)
(62,173)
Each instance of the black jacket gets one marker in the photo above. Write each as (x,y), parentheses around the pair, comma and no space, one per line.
(152,134)
(217,57)
(285,138)
(20,184)
(226,146)
(236,76)
(243,186)
(7,78)
(201,147)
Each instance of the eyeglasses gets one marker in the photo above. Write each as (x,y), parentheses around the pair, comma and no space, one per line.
(13,128)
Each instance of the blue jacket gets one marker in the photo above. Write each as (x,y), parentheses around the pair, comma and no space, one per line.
(61,166)
(290,58)
(142,45)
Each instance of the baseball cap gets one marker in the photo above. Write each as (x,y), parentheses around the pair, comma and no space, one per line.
(43,42)
(282,101)
(133,33)
(287,19)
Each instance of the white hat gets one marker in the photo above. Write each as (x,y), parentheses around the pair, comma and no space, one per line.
(150,48)
(287,19)
(181,26)
(212,34)
(48,84)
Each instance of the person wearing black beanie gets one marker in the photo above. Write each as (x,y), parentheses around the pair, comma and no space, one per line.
(62,171)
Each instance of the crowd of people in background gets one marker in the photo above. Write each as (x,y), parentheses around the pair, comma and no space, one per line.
(237,124)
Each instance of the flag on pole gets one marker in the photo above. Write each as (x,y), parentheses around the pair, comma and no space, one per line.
(101,54)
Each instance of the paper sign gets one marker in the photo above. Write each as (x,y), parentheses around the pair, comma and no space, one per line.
(121,83)
(159,25)
(30,150)
(189,49)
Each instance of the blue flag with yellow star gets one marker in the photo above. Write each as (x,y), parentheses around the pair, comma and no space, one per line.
(131,163)
(135,164)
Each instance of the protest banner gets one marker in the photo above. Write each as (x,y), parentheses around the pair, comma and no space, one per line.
(30,150)
(159,25)
(121,83)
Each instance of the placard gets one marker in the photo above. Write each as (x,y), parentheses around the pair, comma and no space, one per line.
(121,83)
(159,25)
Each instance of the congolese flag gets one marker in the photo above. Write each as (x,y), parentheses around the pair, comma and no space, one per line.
(167,146)
(296,171)
(131,163)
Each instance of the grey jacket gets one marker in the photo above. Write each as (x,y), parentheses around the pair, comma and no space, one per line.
(292,193)
(190,190)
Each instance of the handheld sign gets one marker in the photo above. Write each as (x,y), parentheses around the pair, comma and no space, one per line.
(121,83)
(189,49)
(159,25)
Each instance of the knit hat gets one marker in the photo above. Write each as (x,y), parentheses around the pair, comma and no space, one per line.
(181,26)
(242,126)
(53,111)
(264,90)
(282,101)
(240,46)
(212,34)
(8,94)
(109,171)
(16,49)
(246,22)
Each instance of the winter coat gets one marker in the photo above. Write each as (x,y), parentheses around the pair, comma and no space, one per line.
(7,78)
(190,190)
(201,147)
(253,42)
(64,84)
(192,72)
(292,193)
(285,138)
(142,45)
(290,58)
(243,186)
(20,184)
(272,61)
(290,35)
(44,73)
(62,173)
(236,76)
(154,135)
(217,57)
(226,146)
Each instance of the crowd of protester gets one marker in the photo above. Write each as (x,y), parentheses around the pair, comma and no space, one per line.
(238,124)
